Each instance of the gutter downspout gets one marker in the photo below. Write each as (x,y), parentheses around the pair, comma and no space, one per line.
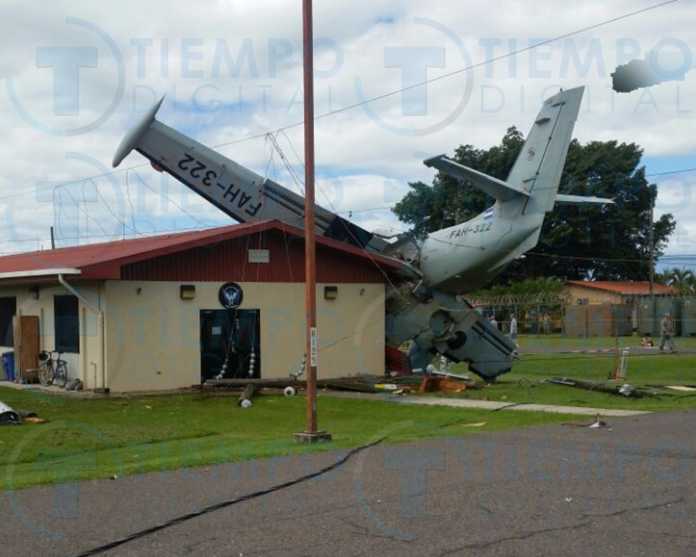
(100,325)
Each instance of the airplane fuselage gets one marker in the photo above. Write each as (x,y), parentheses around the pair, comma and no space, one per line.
(468,256)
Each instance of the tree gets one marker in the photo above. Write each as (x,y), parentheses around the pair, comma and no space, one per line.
(608,242)
(538,291)
(683,280)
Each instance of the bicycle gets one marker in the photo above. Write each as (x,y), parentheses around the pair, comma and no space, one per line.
(52,371)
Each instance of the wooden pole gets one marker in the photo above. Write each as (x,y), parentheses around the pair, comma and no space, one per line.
(654,329)
(311,433)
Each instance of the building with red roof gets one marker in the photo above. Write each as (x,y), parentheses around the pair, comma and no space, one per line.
(612,292)
(617,308)
(146,314)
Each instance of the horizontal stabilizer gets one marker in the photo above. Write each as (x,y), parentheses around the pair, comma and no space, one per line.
(501,191)
(562,198)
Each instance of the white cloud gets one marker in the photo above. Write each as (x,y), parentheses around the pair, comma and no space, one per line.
(191,51)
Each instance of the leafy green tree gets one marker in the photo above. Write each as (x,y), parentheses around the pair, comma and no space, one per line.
(577,241)
(542,290)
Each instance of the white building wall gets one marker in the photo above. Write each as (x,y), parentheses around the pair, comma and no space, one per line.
(153,337)
(88,363)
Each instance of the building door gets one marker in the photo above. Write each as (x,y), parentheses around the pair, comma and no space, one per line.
(229,338)
(26,343)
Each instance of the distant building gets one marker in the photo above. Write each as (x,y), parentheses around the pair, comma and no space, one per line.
(612,292)
(615,308)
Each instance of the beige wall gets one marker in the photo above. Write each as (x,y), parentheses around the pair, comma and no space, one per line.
(88,362)
(592,295)
(153,337)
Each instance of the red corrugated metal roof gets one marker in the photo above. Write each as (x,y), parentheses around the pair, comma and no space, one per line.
(626,288)
(104,260)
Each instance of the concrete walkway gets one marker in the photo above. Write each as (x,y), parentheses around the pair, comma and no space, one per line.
(424,400)
(492,405)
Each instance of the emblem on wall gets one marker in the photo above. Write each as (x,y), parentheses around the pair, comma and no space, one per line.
(230,295)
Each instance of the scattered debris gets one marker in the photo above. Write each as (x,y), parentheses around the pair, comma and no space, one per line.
(619,373)
(34,420)
(246,396)
(444,384)
(395,386)
(386,387)
(8,416)
(476,424)
(597,424)
(602,387)
(74,385)
(682,388)
(627,390)
(452,375)
(508,406)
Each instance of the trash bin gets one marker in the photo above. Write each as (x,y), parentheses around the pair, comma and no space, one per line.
(8,365)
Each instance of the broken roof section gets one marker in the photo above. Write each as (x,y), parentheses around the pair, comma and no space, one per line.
(104,260)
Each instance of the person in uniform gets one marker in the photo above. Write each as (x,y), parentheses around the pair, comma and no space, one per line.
(513,329)
(667,332)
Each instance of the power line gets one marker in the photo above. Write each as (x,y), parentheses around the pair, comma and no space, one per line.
(92,236)
(181,208)
(668,172)
(410,87)
(462,70)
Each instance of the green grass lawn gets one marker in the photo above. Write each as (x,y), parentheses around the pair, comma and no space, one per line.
(556,342)
(524,383)
(97,438)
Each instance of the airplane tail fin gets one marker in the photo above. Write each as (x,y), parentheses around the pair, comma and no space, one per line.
(534,179)
(539,166)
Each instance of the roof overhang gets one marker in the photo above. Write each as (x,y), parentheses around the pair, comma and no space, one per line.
(40,273)
(108,266)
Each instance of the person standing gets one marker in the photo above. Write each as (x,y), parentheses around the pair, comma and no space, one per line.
(546,322)
(513,329)
(667,332)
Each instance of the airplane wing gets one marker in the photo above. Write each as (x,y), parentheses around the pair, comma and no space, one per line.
(234,189)
(498,189)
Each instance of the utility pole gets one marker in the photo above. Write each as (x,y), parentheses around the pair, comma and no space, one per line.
(651,245)
(311,433)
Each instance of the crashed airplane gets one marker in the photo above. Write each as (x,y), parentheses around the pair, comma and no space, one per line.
(425,305)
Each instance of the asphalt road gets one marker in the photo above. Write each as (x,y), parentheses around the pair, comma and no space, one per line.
(625,490)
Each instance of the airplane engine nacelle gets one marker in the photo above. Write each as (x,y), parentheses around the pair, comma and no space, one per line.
(454,329)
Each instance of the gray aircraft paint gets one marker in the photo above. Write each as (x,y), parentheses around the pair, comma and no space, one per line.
(424,307)
(234,189)
(467,256)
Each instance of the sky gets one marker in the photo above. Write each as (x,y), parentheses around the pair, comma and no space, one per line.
(75,75)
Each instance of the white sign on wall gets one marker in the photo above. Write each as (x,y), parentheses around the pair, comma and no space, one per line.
(313,347)
(259,256)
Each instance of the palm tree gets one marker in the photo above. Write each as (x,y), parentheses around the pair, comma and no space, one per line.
(683,280)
